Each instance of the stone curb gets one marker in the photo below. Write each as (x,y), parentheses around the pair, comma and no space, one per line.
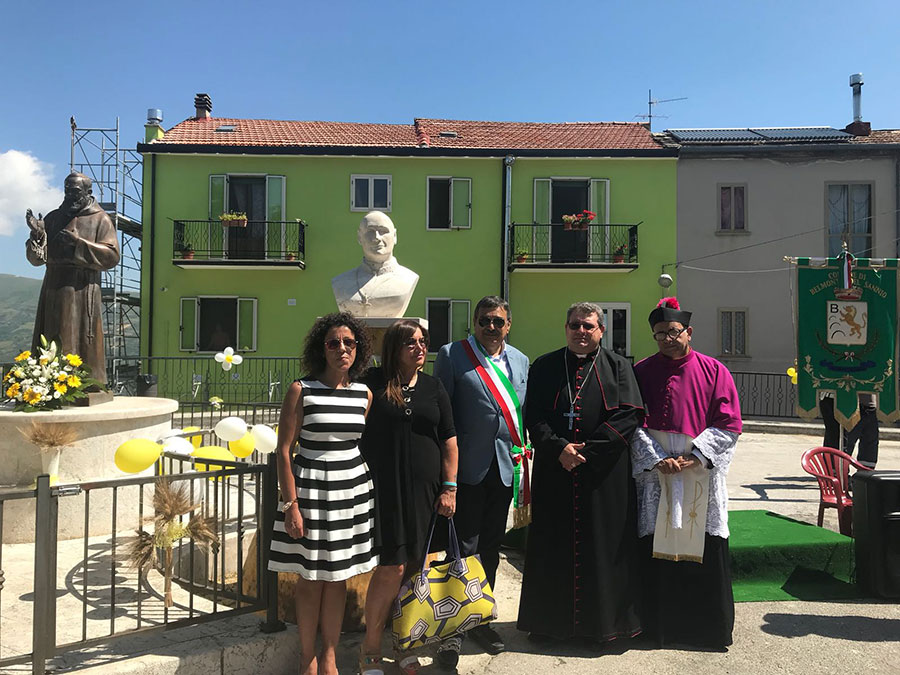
(234,646)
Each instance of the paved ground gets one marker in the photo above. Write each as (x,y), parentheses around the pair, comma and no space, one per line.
(777,637)
(770,637)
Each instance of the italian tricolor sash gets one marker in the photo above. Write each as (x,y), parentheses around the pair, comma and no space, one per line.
(504,394)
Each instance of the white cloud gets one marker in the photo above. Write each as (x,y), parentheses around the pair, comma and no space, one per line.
(24,184)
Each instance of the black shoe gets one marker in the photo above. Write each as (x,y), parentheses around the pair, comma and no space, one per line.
(542,639)
(448,653)
(488,639)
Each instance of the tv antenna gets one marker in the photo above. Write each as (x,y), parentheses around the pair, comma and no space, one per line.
(656,101)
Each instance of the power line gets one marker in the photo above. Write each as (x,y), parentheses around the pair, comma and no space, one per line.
(703,269)
(679,263)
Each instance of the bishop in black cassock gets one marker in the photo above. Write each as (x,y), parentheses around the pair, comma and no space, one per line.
(581,564)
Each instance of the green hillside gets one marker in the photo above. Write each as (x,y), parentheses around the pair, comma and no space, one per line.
(18,304)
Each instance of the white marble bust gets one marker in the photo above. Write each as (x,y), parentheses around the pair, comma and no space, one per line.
(380,286)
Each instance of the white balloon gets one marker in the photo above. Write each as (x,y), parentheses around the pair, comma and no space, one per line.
(168,434)
(231,428)
(265,437)
(178,445)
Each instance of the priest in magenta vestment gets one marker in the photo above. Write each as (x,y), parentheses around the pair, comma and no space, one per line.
(680,460)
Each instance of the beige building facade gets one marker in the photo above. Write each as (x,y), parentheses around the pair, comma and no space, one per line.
(744,206)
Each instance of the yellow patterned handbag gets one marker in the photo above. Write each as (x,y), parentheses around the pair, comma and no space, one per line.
(443,600)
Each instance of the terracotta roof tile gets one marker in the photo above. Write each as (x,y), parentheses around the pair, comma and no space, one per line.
(434,133)
(879,136)
(537,135)
(286,133)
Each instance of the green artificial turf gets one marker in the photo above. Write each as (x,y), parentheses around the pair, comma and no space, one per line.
(777,558)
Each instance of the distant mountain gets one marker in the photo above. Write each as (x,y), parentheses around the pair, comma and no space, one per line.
(18,304)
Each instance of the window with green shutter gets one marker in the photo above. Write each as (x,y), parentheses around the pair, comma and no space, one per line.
(212,323)
(187,325)
(448,321)
(246,326)
(275,242)
(540,233)
(218,204)
(449,203)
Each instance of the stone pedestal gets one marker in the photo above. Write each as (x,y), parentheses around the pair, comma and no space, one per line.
(101,429)
(378,327)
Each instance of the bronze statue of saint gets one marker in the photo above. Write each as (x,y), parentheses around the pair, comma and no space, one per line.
(75,242)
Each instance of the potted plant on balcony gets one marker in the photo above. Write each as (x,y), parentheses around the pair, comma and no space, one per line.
(578,221)
(234,219)
(521,255)
(290,255)
(187,251)
(619,254)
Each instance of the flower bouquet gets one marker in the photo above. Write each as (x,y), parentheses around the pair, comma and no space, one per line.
(47,382)
(578,221)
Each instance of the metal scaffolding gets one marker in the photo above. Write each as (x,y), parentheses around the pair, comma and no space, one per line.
(117,176)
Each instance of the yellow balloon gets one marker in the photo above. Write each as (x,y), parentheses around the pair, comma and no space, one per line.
(792,372)
(137,455)
(195,440)
(211,452)
(242,447)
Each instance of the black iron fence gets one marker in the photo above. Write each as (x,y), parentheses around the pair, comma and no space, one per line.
(255,242)
(197,379)
(254,388)
(559,244)
(766,394)
(103,597)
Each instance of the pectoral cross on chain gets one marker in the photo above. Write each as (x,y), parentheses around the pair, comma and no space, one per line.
(572,415)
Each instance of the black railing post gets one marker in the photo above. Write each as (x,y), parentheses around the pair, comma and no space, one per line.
(301,243)
(268,581)
(43,645)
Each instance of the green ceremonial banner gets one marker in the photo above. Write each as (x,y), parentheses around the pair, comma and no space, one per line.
(847,338)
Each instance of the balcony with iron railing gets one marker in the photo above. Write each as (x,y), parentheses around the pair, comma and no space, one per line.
(258,244)
(535,246)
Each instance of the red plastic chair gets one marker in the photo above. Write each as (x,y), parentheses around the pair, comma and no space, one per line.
(832,469)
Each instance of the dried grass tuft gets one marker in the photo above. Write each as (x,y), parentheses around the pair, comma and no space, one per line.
(171,502)
(47,436)
(203,532)
(141,551)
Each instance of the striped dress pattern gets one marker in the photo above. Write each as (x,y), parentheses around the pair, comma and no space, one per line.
(334,490)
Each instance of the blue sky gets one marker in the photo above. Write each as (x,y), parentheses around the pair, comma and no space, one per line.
(739,64)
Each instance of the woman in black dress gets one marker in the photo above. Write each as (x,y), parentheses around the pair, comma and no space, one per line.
(410,447)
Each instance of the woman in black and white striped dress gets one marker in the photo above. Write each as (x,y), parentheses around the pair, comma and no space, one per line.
(324,526)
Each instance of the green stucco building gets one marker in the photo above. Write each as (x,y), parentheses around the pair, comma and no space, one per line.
(478,208)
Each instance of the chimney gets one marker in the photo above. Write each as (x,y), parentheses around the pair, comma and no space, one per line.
(203,106)
(857,127)
(153,130)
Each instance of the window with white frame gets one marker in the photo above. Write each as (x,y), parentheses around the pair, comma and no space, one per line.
(549,241)
(212,323)
(449,203)
(617,334)
(262,198)
(848,214)
(732,208)
(733,332)
(370,193)
(448,320)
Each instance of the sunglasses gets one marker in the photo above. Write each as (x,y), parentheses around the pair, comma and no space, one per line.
(575,325)
(335,343)
(670,334)
(413,343)
(492,321)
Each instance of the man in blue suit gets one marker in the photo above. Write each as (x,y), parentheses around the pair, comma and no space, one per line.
(486,380)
